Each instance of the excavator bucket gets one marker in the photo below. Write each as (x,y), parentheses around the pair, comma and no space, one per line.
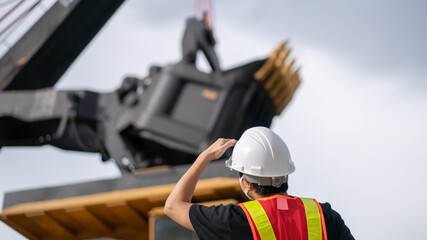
(153,128)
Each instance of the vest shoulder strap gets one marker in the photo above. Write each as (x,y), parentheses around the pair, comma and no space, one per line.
(260,218)
(314,224)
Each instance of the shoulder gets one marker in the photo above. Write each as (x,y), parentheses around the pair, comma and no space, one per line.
(219,222)
(216,213)
(330,214)
(335,225)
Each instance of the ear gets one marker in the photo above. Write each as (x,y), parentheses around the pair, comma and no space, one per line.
(251,186)
(246,183)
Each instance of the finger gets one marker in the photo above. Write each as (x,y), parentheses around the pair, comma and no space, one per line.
(222,140)
(221,149)
(229,143)
(219,141)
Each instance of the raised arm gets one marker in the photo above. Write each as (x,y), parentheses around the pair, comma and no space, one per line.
(178,204)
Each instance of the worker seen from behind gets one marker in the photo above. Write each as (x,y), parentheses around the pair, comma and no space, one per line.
(263,161)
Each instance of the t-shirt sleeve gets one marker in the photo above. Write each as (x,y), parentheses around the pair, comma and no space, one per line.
(335,225)
(220,222)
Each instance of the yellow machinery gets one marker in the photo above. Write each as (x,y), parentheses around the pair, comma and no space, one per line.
(126,214)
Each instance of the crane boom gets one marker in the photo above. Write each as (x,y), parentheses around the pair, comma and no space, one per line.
(45,52)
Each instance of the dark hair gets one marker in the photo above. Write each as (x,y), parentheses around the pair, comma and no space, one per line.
(268,190)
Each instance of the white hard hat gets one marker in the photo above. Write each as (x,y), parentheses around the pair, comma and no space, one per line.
(262,156)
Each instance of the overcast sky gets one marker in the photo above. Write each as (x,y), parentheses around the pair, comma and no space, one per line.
(356,128)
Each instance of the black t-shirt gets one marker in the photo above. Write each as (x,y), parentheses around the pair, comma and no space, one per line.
(230,222)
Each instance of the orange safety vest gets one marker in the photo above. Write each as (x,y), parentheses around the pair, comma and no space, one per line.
(281,217)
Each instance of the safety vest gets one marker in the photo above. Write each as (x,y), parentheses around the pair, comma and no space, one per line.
(280,217)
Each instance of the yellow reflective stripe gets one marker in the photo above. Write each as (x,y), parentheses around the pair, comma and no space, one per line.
(314,226)
(260,219)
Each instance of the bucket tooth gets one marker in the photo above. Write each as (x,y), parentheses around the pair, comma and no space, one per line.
(294,84)
(288,88)
(272,80)
(288,99)
(266,69)
(285,75)
(275,76)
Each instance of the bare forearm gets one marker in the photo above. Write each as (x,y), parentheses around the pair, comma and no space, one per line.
(184,189)
(178,204)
